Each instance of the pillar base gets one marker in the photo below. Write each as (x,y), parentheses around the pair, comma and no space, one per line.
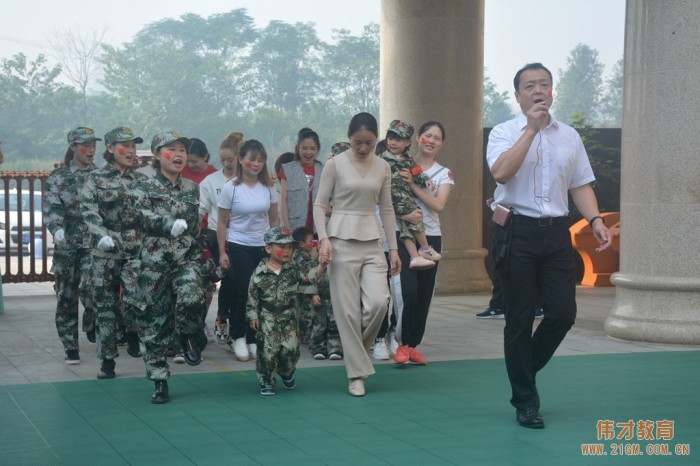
(655,309)
(462,272)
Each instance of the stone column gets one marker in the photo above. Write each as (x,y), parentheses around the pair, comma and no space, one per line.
(658,286)
(432,61)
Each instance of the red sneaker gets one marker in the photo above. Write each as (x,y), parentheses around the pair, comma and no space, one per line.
(402,354)
(415,357)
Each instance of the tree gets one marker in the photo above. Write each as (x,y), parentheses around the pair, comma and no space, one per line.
(78,53)
(580,85)
(36,109)
(497,109)
(612,102)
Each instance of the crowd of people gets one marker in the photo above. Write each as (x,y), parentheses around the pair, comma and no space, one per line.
(143,249)
(307,253)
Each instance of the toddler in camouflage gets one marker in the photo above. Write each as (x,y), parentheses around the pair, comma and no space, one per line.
(398,140)
(271,311)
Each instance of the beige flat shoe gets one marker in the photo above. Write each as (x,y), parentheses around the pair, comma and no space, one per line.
(357,387)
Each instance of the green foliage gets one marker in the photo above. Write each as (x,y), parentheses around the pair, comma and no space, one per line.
(612,101)
(496,106)
(605,162)
(580,84)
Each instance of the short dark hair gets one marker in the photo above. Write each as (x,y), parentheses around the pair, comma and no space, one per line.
(380,148)
(429,124)
(300,234)
(198,148)
(530,66)
(364,121)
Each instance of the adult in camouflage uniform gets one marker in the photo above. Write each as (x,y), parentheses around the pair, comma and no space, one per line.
(108,206)
(270,311)
(398,140)
(173,275)
(72,240)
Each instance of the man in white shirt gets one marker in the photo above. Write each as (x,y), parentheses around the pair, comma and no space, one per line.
(536,162)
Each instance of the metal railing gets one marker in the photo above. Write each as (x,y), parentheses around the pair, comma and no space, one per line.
(23,235)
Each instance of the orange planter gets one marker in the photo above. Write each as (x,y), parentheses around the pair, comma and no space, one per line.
(597,266)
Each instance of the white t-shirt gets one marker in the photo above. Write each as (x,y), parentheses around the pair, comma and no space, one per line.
(438,175)
(249,212)
(209,190)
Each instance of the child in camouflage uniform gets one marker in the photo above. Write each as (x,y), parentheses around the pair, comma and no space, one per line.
(72,240)
(271,313)
(398,140)
(107,204)
(302,257)
(324,338)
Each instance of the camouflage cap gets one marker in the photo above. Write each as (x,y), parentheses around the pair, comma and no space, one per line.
(401,129)
(278,235)
(82,135)
(165,138)
(339,148)
(121,134)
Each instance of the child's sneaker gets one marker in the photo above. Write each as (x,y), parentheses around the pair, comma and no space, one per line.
(335,357)
(289,383)
(221,331)
(267,390)
(420,263)
(430,254)
(319,356)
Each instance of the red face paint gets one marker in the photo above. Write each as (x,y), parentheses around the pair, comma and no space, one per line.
(121,150)
(248,164)
(83,150)
(423,140)
(168,155)
(279,253)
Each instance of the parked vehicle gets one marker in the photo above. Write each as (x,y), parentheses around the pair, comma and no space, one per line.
(22,236)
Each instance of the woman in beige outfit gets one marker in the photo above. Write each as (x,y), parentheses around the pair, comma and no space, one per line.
(351,243)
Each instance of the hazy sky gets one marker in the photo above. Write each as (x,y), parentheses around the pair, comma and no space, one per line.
(516,32)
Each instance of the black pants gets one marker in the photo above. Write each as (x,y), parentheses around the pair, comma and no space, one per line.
(243,260)
(417,288)
(536,259)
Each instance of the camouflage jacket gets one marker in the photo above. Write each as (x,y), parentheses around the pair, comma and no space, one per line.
(163,204)
(404,161)
(303,260)
(61,205)
(108,204)
(271,297)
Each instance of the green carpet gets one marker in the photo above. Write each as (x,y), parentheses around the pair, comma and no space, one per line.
(444,413)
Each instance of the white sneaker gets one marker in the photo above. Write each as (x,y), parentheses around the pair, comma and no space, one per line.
(380,352)
(420,263)
(179,358)
(240,349)
(210,336)
(430,254)
(253,350)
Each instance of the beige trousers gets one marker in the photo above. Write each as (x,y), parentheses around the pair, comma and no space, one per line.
(360,299)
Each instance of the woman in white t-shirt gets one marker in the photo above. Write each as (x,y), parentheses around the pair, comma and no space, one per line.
(247,209)
(414,288)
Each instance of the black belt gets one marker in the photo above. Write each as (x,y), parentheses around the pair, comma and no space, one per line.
(540,221)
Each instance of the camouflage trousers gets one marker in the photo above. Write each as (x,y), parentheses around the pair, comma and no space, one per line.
(168,302)
(71,269)
(278,346)
(403,205)
(304,310)
(325,338)
(107,277)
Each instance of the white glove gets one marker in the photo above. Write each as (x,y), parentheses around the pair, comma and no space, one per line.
(59,236)
(106,243)
(178,227)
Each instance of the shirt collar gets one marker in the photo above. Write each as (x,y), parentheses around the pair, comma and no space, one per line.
(521,119)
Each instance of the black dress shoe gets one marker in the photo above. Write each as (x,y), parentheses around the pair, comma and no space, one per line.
(529,417)
(133,348)
(192,355)
(160,394)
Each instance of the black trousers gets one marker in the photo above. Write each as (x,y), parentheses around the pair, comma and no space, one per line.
(417,288)
(531,258)
(243,260)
